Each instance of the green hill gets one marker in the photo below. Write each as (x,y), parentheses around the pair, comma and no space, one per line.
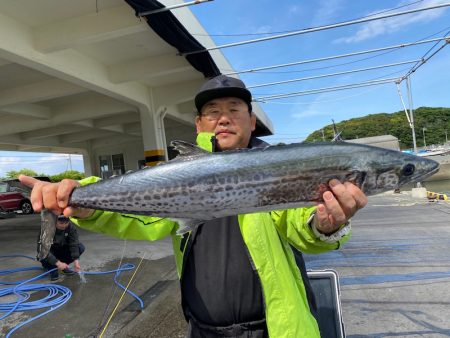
(435,120)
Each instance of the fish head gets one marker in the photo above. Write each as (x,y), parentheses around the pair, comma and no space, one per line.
(395,169)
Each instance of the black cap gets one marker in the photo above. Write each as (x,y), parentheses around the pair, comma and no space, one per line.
(222,86)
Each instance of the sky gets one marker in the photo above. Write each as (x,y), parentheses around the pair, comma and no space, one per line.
(41,163)
(294,118)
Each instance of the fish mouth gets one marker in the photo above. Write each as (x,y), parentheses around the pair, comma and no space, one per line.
(431,172)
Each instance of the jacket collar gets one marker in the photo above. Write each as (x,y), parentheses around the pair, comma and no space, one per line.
(206,141)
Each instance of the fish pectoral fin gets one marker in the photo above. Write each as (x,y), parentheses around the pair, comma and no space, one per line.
(187,225)
(188,149)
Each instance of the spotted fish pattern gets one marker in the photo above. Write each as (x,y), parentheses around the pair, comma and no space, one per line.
(199,185)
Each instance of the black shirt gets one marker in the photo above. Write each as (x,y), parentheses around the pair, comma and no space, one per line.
(66,240)
(219,285)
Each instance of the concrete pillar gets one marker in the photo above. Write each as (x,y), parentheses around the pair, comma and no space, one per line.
(88,170)
(153,136)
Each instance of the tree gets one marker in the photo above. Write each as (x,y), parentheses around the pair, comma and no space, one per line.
(70,174)
(436,120)
(24,171)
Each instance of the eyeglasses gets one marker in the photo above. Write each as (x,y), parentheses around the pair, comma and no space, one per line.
(214,115)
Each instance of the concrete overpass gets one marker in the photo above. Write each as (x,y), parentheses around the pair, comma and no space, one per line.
(92,78)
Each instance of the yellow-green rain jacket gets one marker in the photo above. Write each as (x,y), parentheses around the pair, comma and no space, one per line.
(267,236)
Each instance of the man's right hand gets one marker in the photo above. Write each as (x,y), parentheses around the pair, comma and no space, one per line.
(54,196)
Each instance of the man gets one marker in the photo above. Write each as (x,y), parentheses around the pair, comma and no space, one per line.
(238,274)
(66,249)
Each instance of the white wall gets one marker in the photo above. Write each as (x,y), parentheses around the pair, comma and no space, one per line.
(132,153)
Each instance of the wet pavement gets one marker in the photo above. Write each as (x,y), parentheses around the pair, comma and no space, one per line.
(394,278)
(395,271)
(94,297)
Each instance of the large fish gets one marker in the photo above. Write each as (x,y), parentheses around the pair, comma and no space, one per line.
(48,229)
(198,186)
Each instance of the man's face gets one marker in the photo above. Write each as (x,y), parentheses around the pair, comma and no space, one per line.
(229,119)
(62,224)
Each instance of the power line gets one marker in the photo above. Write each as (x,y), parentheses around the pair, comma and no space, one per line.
(389,74)
(341,98)
(168,8)
(372,79)
(425,59)
(326,89)
(316,29)
(375,81)
(294,30)
(231,71)
(357,85)
(332,74)
(432,47)
(403,45)
(318,68)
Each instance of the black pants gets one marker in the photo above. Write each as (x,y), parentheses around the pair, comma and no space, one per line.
(246,330)
(195,332)
(61,253)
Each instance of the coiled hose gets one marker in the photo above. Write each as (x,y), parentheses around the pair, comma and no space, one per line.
(56,295)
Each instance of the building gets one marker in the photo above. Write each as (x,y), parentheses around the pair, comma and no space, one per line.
(383,141)
(93,78)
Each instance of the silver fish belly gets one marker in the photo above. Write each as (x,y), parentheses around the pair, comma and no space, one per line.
(198,185)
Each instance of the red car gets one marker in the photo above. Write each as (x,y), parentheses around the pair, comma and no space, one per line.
(14,196)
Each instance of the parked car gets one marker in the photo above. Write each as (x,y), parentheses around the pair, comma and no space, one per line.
(14,196)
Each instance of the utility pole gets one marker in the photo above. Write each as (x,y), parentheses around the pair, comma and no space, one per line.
(424,141)
(411,114)
(334,129)
(323,135)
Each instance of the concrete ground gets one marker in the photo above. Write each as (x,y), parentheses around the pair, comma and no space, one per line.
(395,270)
(394,277)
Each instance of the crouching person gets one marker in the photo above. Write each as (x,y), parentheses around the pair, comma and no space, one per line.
(66,249)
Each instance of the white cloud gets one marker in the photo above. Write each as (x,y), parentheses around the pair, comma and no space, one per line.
(307,114)
(387,26)
(9,159)
(263,29)
(294,9)
(326,11)
(314,109)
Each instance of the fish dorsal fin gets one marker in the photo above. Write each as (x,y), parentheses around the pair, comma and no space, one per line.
(187,149)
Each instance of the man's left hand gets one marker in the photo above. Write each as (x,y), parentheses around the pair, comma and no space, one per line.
(340,204)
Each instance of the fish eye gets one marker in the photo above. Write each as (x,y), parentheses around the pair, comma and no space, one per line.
(408,169)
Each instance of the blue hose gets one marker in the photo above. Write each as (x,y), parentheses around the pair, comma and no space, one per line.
(7,272)
(124,267)
(57,295)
